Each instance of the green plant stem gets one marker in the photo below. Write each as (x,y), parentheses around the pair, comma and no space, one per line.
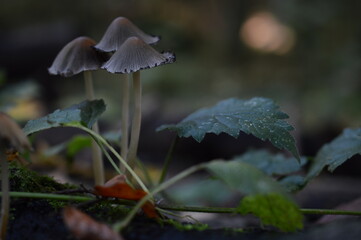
(98,166)
(125,119)
(51,196)
(113,151)
(115,166)
(5,199)
(117,169)
(234,210)
(64,197)
(136,122)
(118,226)
(198,209)
(145,172)
(329,212)
(168,160)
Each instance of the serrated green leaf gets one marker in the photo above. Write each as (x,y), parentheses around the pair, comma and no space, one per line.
(271,164)
(266,198)
(244,177)
(336,152)
(273,209)
(85,113)
(257,116)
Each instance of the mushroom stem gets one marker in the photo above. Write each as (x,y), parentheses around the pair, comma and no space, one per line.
(98,167)
(133,146)
(125,118)
(5,199)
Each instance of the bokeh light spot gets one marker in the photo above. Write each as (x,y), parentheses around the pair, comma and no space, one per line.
(263,32)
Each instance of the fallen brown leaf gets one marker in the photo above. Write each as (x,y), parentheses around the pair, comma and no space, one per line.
(122,190)
(83,227)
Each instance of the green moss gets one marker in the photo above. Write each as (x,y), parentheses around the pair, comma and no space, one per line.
(107,211)
(58,204)
(25,180)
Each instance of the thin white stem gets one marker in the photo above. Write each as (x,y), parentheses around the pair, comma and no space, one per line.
(89,89)
(116,154)
(98,166)
(134,140)
(5,199)
(125,118)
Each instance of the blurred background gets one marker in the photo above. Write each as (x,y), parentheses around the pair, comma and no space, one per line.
(303,54)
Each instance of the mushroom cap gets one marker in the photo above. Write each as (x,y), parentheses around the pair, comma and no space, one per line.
(118,32)
(135,55)
(77,56)
(11,135)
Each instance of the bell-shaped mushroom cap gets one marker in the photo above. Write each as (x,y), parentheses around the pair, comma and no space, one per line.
(118,32)
(135,55)
(77,56)
(11,135)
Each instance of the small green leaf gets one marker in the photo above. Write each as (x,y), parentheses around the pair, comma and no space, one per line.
(257,116)
(336,152)
(200,192)
(271,164)
(76,144)
(85,113)
(266,198)
(244,177)
(273,209)
(293,183)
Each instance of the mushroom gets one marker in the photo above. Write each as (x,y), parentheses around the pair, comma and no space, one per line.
(118,31)
(79,56)
(135,55)
(116,34)
(11,137)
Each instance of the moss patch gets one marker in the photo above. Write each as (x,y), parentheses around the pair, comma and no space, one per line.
(25,180)
(106,211)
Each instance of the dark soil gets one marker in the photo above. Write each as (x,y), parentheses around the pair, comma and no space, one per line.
(37,219)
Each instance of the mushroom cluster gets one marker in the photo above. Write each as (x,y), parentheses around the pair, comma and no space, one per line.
(123,49)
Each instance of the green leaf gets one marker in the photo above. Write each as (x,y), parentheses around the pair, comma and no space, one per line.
(271,164)
(85,113)
(200,192)
(76,144)
(244,177)
(266,198)
(273,209)
(336,152)
(293,183)
(257,116)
